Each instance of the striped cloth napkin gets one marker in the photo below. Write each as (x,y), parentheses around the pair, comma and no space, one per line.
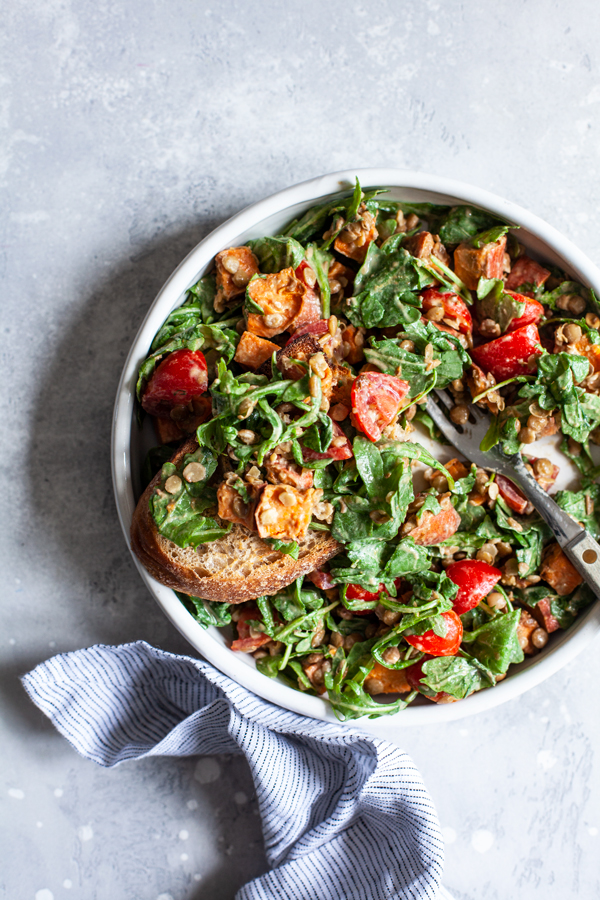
(344,814)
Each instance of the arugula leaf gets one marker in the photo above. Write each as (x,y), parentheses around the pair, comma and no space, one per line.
(550,298)
(494,303)
(491,235)
(319,436)
(462,223)
(370,563)
(320,260)
(583,506)
(179,517)
(456,676)
(277,253)
(198,608)
(352,702)
(566,609)
(496,644)
(556,386)
(290,548)
(203,292)
(386,289)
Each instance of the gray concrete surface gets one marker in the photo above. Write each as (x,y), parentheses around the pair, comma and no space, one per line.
(129,130)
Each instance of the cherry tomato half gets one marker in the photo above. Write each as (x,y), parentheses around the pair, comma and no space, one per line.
(244,641)
(526,271)
(180,377)
(475,579)
(512,354)
(376,399)
(533,312)
(511,494)
(454,307)
(432,643)
(356,592)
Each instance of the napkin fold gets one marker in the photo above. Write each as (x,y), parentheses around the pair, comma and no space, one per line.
(344,814)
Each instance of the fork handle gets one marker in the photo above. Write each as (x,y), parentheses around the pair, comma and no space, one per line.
(577,542)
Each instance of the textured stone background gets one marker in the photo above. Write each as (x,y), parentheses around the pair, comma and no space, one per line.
(129,130)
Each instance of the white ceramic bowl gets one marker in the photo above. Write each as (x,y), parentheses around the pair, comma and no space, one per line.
(269,216)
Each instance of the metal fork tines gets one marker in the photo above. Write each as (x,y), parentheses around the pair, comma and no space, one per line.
(578,544)
(468,437)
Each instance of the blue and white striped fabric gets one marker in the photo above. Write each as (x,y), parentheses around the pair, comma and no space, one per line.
(344,814)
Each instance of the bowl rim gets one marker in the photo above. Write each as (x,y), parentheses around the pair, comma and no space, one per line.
(568,645)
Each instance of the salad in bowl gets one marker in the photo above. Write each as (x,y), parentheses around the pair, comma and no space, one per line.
(291,497)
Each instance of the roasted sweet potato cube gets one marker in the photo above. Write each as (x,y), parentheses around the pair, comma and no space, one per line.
(456,468)
(436,527)
(420,245)
(233,507)
(283,512)
(286,301)
(386,681)
(253,351)
(353,241)
(471,263)
(235,267)
(558,570)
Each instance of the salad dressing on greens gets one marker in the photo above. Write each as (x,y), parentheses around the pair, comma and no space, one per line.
(302,365)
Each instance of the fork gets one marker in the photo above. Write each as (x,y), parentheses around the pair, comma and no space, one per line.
(576,542)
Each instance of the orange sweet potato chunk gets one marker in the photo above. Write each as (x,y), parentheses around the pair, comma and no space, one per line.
(471,263)
(434,528)
(559,572)
(386,681)
(233,508)
(287,303)
(456,468)
(253,351)
(235,267)
(284,513)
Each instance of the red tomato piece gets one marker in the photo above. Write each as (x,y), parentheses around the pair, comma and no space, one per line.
(542,611)
(356,592)
(316,328)
(432,643)
(306,273)
(340,451)
(376,399)
(526,271)
(512,354)
(454,307)
(244,641)
(511,494)
(475,580)
(533,312)
(180,377)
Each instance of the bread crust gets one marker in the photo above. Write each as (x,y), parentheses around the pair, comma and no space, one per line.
(233,569)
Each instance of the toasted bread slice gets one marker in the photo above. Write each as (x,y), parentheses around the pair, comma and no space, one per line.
(235,568)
